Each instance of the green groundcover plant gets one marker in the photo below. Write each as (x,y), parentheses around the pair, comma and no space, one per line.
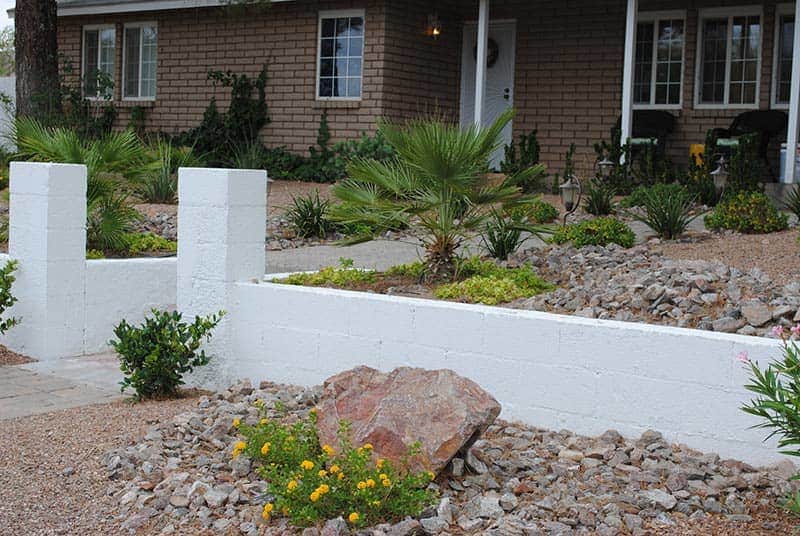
(597,232)
(6,298)
(309,483)
(154,356)
(747,212)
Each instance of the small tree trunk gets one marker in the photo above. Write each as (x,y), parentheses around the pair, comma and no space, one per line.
(36,54)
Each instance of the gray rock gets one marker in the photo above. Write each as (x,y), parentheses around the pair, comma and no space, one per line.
(179,501)
(756,313)
(660,498)
(434,525)
(215,498)
(335,527)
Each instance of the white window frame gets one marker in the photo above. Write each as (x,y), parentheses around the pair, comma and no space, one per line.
(729,12)
(656,17)
(139,25)
(99,28)
(780,10)
(339,14)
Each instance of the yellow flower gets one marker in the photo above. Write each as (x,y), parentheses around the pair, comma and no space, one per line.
(322,473)
(267,510)
(292,485)
(314,496)
(258,403)
(383,476)
(431,475)
(324,488)
(236,422)
(376,503)
(238,448)
(353,517)
(340,476)
(368,446)
(327,449)
(386,482)
(265,448)
(379,463)
(361,485)
(370,483)
(313,411)
(264,421)
(334,469)
(290,438)
(307,465)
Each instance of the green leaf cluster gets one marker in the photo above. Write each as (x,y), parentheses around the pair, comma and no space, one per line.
(596,232)
(747,212)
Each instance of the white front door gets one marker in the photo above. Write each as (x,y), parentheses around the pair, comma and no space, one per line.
(499,77)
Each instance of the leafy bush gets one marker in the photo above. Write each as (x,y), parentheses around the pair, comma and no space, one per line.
(308,216)
(746,168)
(542,212)
(638,197)
(309,483)
(597,232)
(137,243)
(667,211)
(599,198)
(490,284)
(280,163)
(437,187)
(414,269)
(747,212)
(6,298)
(94,254)
(154,356)
(344,276)
(159,181)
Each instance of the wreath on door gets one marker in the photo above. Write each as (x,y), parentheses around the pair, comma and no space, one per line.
(492,53)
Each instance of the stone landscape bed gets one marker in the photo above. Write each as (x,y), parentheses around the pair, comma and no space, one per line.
(517,480)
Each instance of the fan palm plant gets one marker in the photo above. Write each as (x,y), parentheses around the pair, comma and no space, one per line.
(437,187)
(158,182)
(109,215)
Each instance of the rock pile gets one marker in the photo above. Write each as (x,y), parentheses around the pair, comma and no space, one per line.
(640,285)
(517,480)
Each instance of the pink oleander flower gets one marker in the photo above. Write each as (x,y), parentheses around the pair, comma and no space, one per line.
(795,330)
(742,357)
(777,331)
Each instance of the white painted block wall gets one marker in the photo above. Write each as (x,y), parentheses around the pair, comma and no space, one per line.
(547,370)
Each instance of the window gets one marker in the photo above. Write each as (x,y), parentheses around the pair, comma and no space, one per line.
(658,68)
(784,45)
(139,61)
(730,59)
(98,61)
(341,54)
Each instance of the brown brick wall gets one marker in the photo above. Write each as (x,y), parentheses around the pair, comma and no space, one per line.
(567,82)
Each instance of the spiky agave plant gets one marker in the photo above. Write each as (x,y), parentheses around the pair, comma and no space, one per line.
(109,215)
(437,187)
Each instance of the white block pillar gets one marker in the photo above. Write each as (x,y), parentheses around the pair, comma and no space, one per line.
(480,61)
(794,104)
(47,235)
(627,71)
(222,215)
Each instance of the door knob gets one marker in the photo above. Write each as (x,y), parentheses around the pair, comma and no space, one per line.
(507,93)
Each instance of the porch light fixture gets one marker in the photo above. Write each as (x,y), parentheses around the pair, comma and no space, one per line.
(434,26)
(570,192)
(605,166)
(720,175)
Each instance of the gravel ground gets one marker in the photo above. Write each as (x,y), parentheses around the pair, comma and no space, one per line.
(776,254)
(51,478)
(9,357)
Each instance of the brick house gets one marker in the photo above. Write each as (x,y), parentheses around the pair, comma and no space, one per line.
(572,70)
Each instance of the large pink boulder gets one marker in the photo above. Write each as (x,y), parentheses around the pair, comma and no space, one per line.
(445,412)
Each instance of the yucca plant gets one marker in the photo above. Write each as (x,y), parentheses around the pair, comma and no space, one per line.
(251,155)
(502,235)
(792,202)
(114,156)
(667,212)
(158,183)
(599,198)
(308,216)
(436,187)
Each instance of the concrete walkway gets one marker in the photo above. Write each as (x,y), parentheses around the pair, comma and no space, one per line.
(46,386)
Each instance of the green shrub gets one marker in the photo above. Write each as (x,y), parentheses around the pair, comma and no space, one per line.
(154,356)
(94,254)
(542,212)
(308,216)
(527,157)
(492,284)
(599,198)
(747,212)
(746,167)
(344,276)
(159,182)
(7,299)
(138,243)
(640,194)
(280,163)
(668,213)
(414,269)
(309,483)
(597,232)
